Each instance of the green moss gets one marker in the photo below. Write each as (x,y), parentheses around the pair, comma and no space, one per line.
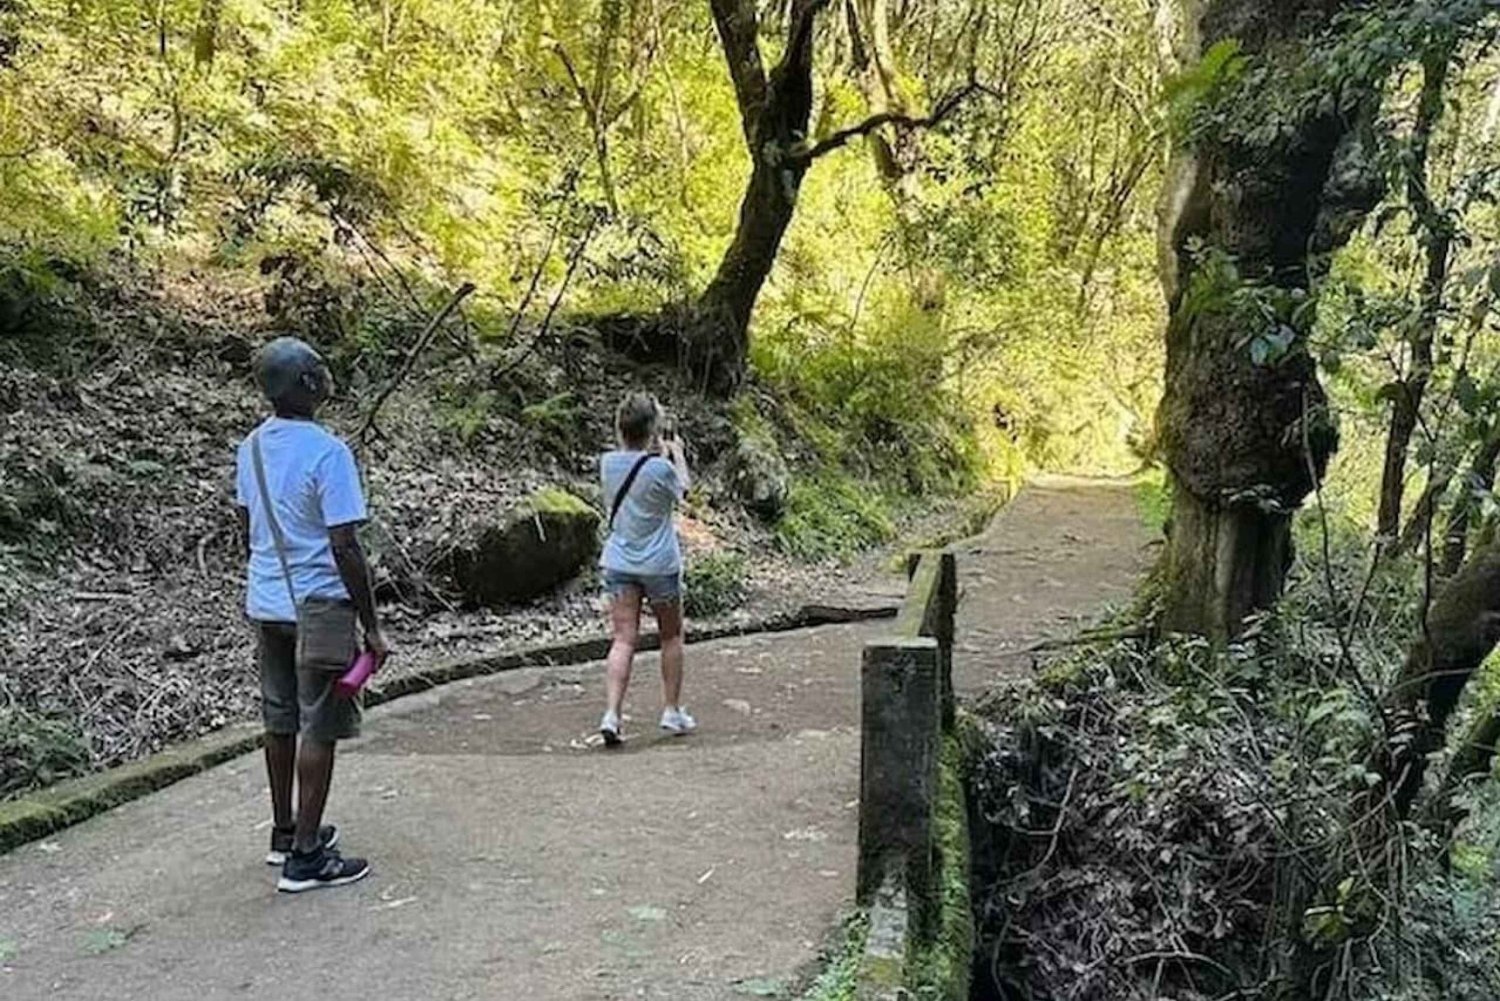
(554,500)
(838,979)
(943,969)
(76,800)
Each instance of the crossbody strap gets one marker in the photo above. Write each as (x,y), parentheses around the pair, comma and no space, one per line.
(265,502)
(635,471)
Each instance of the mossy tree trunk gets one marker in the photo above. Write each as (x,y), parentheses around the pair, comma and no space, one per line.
(1246,438)
(1461,630)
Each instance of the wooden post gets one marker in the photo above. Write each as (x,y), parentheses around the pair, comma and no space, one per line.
(901,719)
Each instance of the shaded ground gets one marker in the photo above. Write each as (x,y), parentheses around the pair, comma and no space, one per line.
(516,860)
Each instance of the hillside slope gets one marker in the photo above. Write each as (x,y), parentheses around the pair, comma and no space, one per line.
(120,579)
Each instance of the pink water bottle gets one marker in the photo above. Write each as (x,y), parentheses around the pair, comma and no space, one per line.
(352,680)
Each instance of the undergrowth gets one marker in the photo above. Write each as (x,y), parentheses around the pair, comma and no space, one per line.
(831,515)
(837,982)
(715,583)
(37,750)
(1163,819)
(1153,500)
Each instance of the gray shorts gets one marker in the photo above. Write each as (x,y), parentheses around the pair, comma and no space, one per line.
(300,699)
(659,589)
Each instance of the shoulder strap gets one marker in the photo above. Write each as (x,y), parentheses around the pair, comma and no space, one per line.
(635,471)
(265,502)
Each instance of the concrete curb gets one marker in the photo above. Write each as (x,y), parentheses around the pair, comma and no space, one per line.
(76,800)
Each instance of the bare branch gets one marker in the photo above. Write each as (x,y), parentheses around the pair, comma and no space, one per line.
(411,359)
(942,110)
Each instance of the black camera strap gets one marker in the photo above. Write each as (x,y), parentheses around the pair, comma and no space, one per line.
(635,471)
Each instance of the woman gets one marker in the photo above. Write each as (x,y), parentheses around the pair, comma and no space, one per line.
(642,562)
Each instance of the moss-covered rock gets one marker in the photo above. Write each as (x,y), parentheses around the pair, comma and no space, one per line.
(759,478)
(526,552)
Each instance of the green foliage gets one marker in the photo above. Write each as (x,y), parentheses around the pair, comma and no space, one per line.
(1274,320)
(841,963)
(715,583)
(1153,499)
(941,971)
(37,750)
(323,155)
(1189,91)
(1177,758)
(42,320)
(558,421)
(832,516)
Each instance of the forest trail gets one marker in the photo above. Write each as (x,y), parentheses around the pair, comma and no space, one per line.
(512,859)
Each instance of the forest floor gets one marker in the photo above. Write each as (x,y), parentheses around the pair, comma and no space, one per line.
(121,581)
(514,858)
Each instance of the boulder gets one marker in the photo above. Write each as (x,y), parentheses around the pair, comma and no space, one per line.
(759,478)
(527,552)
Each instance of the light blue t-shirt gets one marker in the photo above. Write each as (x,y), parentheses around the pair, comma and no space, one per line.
(644,538)
(314,486)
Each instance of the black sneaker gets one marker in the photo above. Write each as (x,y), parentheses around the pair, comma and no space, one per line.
(281,842)
(320,869)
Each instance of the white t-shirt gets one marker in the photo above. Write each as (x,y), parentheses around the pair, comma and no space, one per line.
(314,486)
(644,539)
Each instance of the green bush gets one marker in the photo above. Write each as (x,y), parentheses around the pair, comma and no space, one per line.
(41,319)
(37,751)
(833,516)
(715,583)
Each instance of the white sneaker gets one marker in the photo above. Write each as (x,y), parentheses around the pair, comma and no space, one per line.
(676,721)
(609,728)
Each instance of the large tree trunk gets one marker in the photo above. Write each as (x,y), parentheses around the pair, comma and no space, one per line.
(775,114)
(1461,630)
(1245,442)
(719,341)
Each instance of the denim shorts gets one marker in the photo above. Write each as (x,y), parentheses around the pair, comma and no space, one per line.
(659,589)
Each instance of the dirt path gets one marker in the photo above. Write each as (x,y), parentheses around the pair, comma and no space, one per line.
(512,858)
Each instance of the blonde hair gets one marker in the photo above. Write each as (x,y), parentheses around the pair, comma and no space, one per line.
(636,418)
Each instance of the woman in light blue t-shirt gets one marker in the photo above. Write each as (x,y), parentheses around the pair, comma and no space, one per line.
(643,479)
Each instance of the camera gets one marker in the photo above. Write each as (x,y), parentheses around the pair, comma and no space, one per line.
(668,425)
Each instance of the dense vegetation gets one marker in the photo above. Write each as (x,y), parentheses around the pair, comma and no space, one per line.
(1277,784)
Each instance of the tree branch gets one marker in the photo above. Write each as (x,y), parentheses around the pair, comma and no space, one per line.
(411,359)
(942,110)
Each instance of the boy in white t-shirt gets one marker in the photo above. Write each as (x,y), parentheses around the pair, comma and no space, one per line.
(300,503)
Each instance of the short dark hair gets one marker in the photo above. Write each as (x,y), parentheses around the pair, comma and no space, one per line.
(284,367)
(636,418)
